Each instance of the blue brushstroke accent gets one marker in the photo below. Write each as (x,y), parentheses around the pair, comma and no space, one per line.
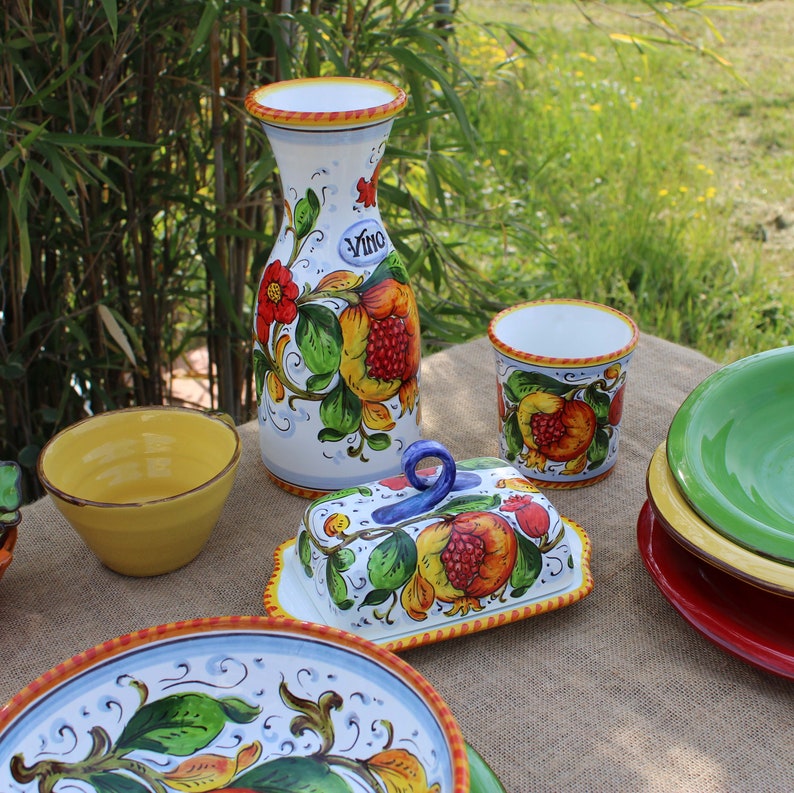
(464,480)
(431,489)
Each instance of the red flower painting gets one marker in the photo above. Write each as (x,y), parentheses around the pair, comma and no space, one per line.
(277,295)
(368,190)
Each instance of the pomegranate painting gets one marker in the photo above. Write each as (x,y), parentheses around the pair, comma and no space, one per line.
(381,345)
(418,557)
(461,559)
(561,427)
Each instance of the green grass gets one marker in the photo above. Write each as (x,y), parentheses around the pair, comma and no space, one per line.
(655,182)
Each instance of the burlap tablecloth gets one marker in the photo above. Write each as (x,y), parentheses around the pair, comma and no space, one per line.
(614,693)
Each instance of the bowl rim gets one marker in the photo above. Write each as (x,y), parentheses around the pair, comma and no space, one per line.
(536,359)
(70,498)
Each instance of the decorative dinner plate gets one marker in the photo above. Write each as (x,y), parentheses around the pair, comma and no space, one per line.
(481,777)
(751,624)
(731,450)
(688,528)
(233,703)
(285,596)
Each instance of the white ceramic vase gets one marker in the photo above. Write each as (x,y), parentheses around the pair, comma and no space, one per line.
(336,331)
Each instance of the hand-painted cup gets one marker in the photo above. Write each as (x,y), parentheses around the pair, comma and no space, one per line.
(143,487)
(561,369)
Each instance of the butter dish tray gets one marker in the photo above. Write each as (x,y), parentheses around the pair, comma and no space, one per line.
(431,554)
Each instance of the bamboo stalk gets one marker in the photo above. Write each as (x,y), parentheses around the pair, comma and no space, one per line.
(220,339)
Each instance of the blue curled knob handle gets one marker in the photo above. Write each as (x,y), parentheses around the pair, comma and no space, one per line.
(431,490)
(418,451)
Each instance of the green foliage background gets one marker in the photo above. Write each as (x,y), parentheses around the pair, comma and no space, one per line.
(139,202)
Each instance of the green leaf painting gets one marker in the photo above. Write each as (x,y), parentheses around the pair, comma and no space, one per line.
(293,775)
(391,267)
(305,552)
(519,384)
(340,410)
(599,401)
(514,440)
(181,724)
(319,338)
(337,588)
(526,570)
(392,561)
(307,211)
(598,449)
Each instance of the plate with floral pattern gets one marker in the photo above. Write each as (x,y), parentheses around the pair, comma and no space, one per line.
(232,703)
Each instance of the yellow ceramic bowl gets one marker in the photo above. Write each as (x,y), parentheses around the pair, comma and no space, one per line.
(143,487)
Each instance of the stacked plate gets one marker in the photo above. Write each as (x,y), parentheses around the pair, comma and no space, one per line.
(717,530)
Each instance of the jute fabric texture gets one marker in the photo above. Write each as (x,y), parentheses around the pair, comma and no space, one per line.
(614,693)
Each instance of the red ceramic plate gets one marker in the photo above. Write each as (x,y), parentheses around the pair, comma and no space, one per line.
(754,625)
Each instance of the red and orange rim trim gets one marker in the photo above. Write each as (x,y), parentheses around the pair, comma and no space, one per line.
(541,360)
(297,490)
(168,631)
(568,484)
(256,103)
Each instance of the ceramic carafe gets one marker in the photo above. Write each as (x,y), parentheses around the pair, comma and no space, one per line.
(336,328)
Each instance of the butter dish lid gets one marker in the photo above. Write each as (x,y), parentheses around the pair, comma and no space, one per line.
(430,554)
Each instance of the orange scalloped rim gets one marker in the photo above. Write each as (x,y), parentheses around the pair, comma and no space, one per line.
(542,360)
(296,490)
(327,119)
(274,608)
(558,484)
(85,660)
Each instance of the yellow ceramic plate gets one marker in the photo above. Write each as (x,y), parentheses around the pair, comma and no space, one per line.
(684,524)
(285,596)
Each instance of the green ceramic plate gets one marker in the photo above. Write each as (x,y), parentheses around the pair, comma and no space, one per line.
(731,450)
(482,778)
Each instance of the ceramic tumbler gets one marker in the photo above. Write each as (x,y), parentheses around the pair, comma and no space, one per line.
(561,368)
